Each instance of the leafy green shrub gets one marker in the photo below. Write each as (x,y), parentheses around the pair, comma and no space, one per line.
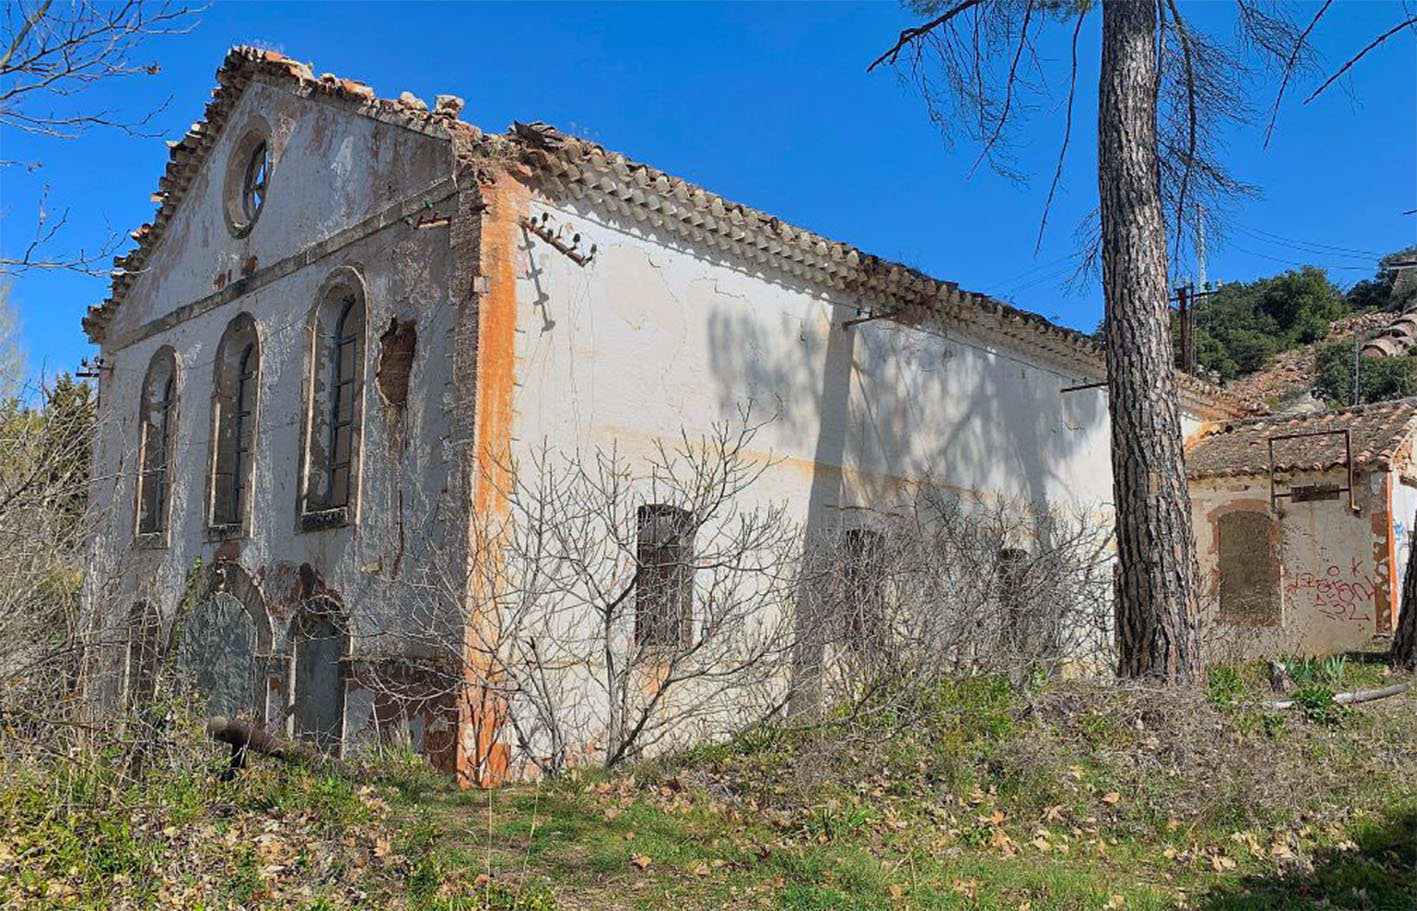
(1316,704)
(1379,378)
(1224,687)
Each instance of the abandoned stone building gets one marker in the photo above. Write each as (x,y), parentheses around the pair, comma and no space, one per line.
(352,314)
(1303,525)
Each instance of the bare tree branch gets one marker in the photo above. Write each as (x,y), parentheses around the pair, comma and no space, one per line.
(1360,55)
(909,35)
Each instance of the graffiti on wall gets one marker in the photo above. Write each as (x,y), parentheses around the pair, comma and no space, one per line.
(1336,591)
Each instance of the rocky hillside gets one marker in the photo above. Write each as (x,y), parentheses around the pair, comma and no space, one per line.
(1288,384)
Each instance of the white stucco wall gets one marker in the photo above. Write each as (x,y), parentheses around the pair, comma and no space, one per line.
(651,338)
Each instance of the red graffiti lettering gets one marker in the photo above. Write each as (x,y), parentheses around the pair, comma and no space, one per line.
(1334,593)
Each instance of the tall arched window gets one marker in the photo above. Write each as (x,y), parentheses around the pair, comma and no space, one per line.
(235,397)
(335,401)
(156,420)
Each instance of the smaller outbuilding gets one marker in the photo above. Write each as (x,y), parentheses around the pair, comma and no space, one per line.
(1303,524)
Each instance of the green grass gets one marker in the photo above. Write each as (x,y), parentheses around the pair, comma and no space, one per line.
(970,796)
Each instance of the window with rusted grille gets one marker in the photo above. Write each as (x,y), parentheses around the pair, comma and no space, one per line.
(863,572)
(157,409)
(336,390)
(664,588)
(235,399)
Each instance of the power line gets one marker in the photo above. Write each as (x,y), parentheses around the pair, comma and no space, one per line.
(1308,246)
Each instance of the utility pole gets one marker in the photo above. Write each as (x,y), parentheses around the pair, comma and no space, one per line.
(1185,300)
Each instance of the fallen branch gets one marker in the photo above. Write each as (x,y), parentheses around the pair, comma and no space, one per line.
(245,738)
(1352,698)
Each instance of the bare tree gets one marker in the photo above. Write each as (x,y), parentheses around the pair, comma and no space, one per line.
(51,54)
(947,587)
(1165,88)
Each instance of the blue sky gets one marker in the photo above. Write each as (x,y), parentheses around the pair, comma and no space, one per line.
(768,104)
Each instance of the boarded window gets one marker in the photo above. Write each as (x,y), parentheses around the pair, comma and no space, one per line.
(863,572)
(1249,570)
(664,591)
(157,409)
(318,680)
(234,403)
(336,389)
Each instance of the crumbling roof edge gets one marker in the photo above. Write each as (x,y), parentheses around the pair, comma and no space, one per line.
(636,190)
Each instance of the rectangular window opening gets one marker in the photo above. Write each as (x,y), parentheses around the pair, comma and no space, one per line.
(664,588)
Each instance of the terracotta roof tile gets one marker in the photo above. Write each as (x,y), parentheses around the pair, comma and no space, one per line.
(1377,432)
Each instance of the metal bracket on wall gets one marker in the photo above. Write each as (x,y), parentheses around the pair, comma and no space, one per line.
(544,229)
(1311,492)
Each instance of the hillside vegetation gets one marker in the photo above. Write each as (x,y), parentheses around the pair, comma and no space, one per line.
(1277,337)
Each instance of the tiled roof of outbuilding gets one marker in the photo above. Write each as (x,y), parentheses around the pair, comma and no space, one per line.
(1378,434)
(582,169)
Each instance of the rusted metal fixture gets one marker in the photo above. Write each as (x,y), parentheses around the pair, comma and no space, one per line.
(1097,385)
(1311,492)
(543,228)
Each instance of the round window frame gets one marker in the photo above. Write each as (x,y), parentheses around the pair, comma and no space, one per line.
(239,170)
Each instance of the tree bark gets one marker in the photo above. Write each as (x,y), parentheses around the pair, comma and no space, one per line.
(1403,655)
(1158,622)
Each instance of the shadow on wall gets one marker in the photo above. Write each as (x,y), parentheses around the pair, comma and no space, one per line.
(918,403)
(1377,870)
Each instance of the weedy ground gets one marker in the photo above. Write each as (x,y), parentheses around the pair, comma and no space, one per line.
(1063,796)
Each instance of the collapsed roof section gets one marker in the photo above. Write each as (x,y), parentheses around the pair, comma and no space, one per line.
(567,166)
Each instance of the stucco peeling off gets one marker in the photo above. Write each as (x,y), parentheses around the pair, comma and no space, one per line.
(483,761)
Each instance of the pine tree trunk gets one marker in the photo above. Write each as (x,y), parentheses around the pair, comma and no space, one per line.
(1158,624)
(1404,642)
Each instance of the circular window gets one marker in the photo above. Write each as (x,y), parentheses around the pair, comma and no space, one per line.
(247,180)
(253,193)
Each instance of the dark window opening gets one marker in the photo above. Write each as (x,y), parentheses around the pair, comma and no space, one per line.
(1012,622)
(234,425)
(144,652)
(342,400)
(253,188)
(664,588)
(159,396)
(863,571)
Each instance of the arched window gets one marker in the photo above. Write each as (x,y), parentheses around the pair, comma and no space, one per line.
(336,394)
(235,396)
(156,420)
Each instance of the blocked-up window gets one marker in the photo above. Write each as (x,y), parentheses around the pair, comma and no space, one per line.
(664,590)
(234,402)
(336,385)
(157,409)
(318,679)
(1249,569)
